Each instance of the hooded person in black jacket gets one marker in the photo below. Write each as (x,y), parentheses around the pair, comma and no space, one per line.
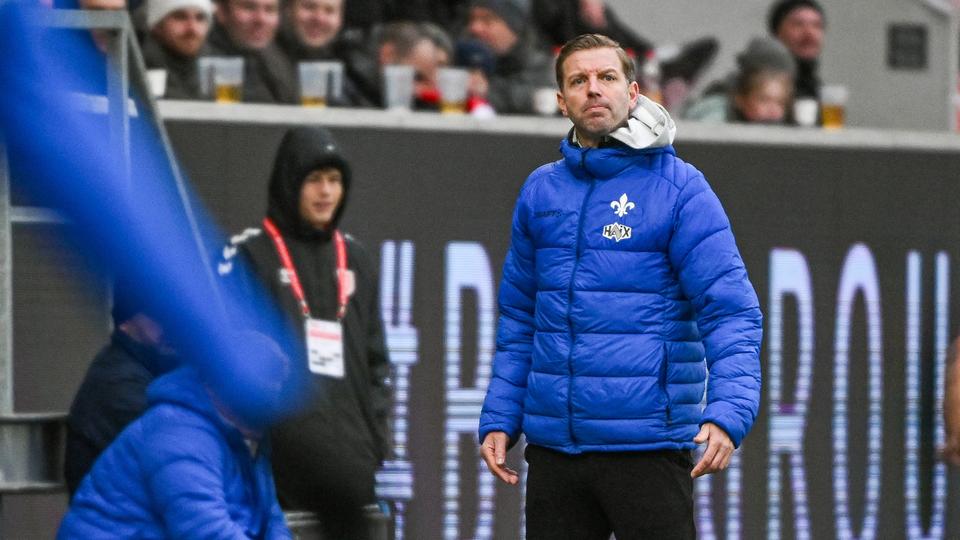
(325,457)
(114,390)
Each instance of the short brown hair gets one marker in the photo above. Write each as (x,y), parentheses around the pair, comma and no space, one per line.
(594,41)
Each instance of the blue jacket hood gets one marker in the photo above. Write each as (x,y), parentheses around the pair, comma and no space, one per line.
(183,387)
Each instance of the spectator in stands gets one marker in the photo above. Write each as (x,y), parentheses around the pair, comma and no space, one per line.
(311,32)
(188,468)
(521,68)
(113,392)
(441,39)
(800,24)
(324,280)
(479,61)
(403,43)
(310,28)
(178,34)
(247,28)
(760,91)
(951,405)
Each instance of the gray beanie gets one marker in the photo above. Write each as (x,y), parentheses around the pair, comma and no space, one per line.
(510,11)
(158,9)
(766,54)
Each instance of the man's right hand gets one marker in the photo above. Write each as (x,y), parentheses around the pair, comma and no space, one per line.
(494,452)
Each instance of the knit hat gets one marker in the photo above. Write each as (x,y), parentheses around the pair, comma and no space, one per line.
(158,9)
(509,10)
(766,54)
(780,9)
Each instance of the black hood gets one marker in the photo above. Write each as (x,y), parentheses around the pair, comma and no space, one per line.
(302,151)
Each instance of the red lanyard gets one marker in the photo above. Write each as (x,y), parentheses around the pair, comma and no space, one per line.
(287,261)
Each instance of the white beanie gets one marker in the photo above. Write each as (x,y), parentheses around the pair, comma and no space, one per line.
(158,9)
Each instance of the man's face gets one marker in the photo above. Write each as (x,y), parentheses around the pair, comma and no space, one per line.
(320,196)
(425,58)
(802,33)
(316,22)
(596,95)
(489,28)
(250,23)
(183,31)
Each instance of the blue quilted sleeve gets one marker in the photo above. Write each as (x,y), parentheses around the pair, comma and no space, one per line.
(503,405)
(277,528)
(712,275)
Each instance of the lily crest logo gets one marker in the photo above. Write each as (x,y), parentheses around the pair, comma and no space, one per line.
(621,207)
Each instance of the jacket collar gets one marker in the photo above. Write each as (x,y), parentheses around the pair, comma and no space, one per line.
(648,129)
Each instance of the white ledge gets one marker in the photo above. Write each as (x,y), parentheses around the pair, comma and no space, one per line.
(693,132)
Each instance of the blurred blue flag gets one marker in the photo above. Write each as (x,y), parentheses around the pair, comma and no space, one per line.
(135,227)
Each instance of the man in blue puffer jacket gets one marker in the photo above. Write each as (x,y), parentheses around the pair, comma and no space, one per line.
(622,288)
(186,469)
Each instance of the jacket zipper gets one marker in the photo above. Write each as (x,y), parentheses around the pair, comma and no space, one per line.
(663,378)
(573,274)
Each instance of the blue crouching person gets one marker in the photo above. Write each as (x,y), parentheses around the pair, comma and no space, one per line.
(188,468)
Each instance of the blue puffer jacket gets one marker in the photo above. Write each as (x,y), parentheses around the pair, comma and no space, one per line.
(177,472)
(622,277)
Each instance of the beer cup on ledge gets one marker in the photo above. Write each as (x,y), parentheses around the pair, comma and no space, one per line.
(833,104)
(398,87)
(453,90)
(228,79)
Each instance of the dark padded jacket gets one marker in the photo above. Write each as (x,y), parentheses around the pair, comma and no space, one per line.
(113,394)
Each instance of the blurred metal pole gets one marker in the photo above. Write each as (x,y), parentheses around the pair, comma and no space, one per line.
(6,304)
(6,288)
(953,66)
(118,91)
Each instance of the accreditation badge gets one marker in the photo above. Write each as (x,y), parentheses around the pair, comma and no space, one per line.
(325,347)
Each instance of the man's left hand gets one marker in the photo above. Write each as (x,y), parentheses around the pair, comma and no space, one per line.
(716,457)
(951,451)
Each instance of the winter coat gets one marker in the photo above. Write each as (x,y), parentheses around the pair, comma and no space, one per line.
(180,471)
(183,75)
(332,448)
(337,51)
(622,276)
(113,394)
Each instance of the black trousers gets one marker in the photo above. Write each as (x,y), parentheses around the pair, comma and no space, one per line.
(635,495)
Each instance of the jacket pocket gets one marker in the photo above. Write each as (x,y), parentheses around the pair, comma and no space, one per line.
(662,379)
